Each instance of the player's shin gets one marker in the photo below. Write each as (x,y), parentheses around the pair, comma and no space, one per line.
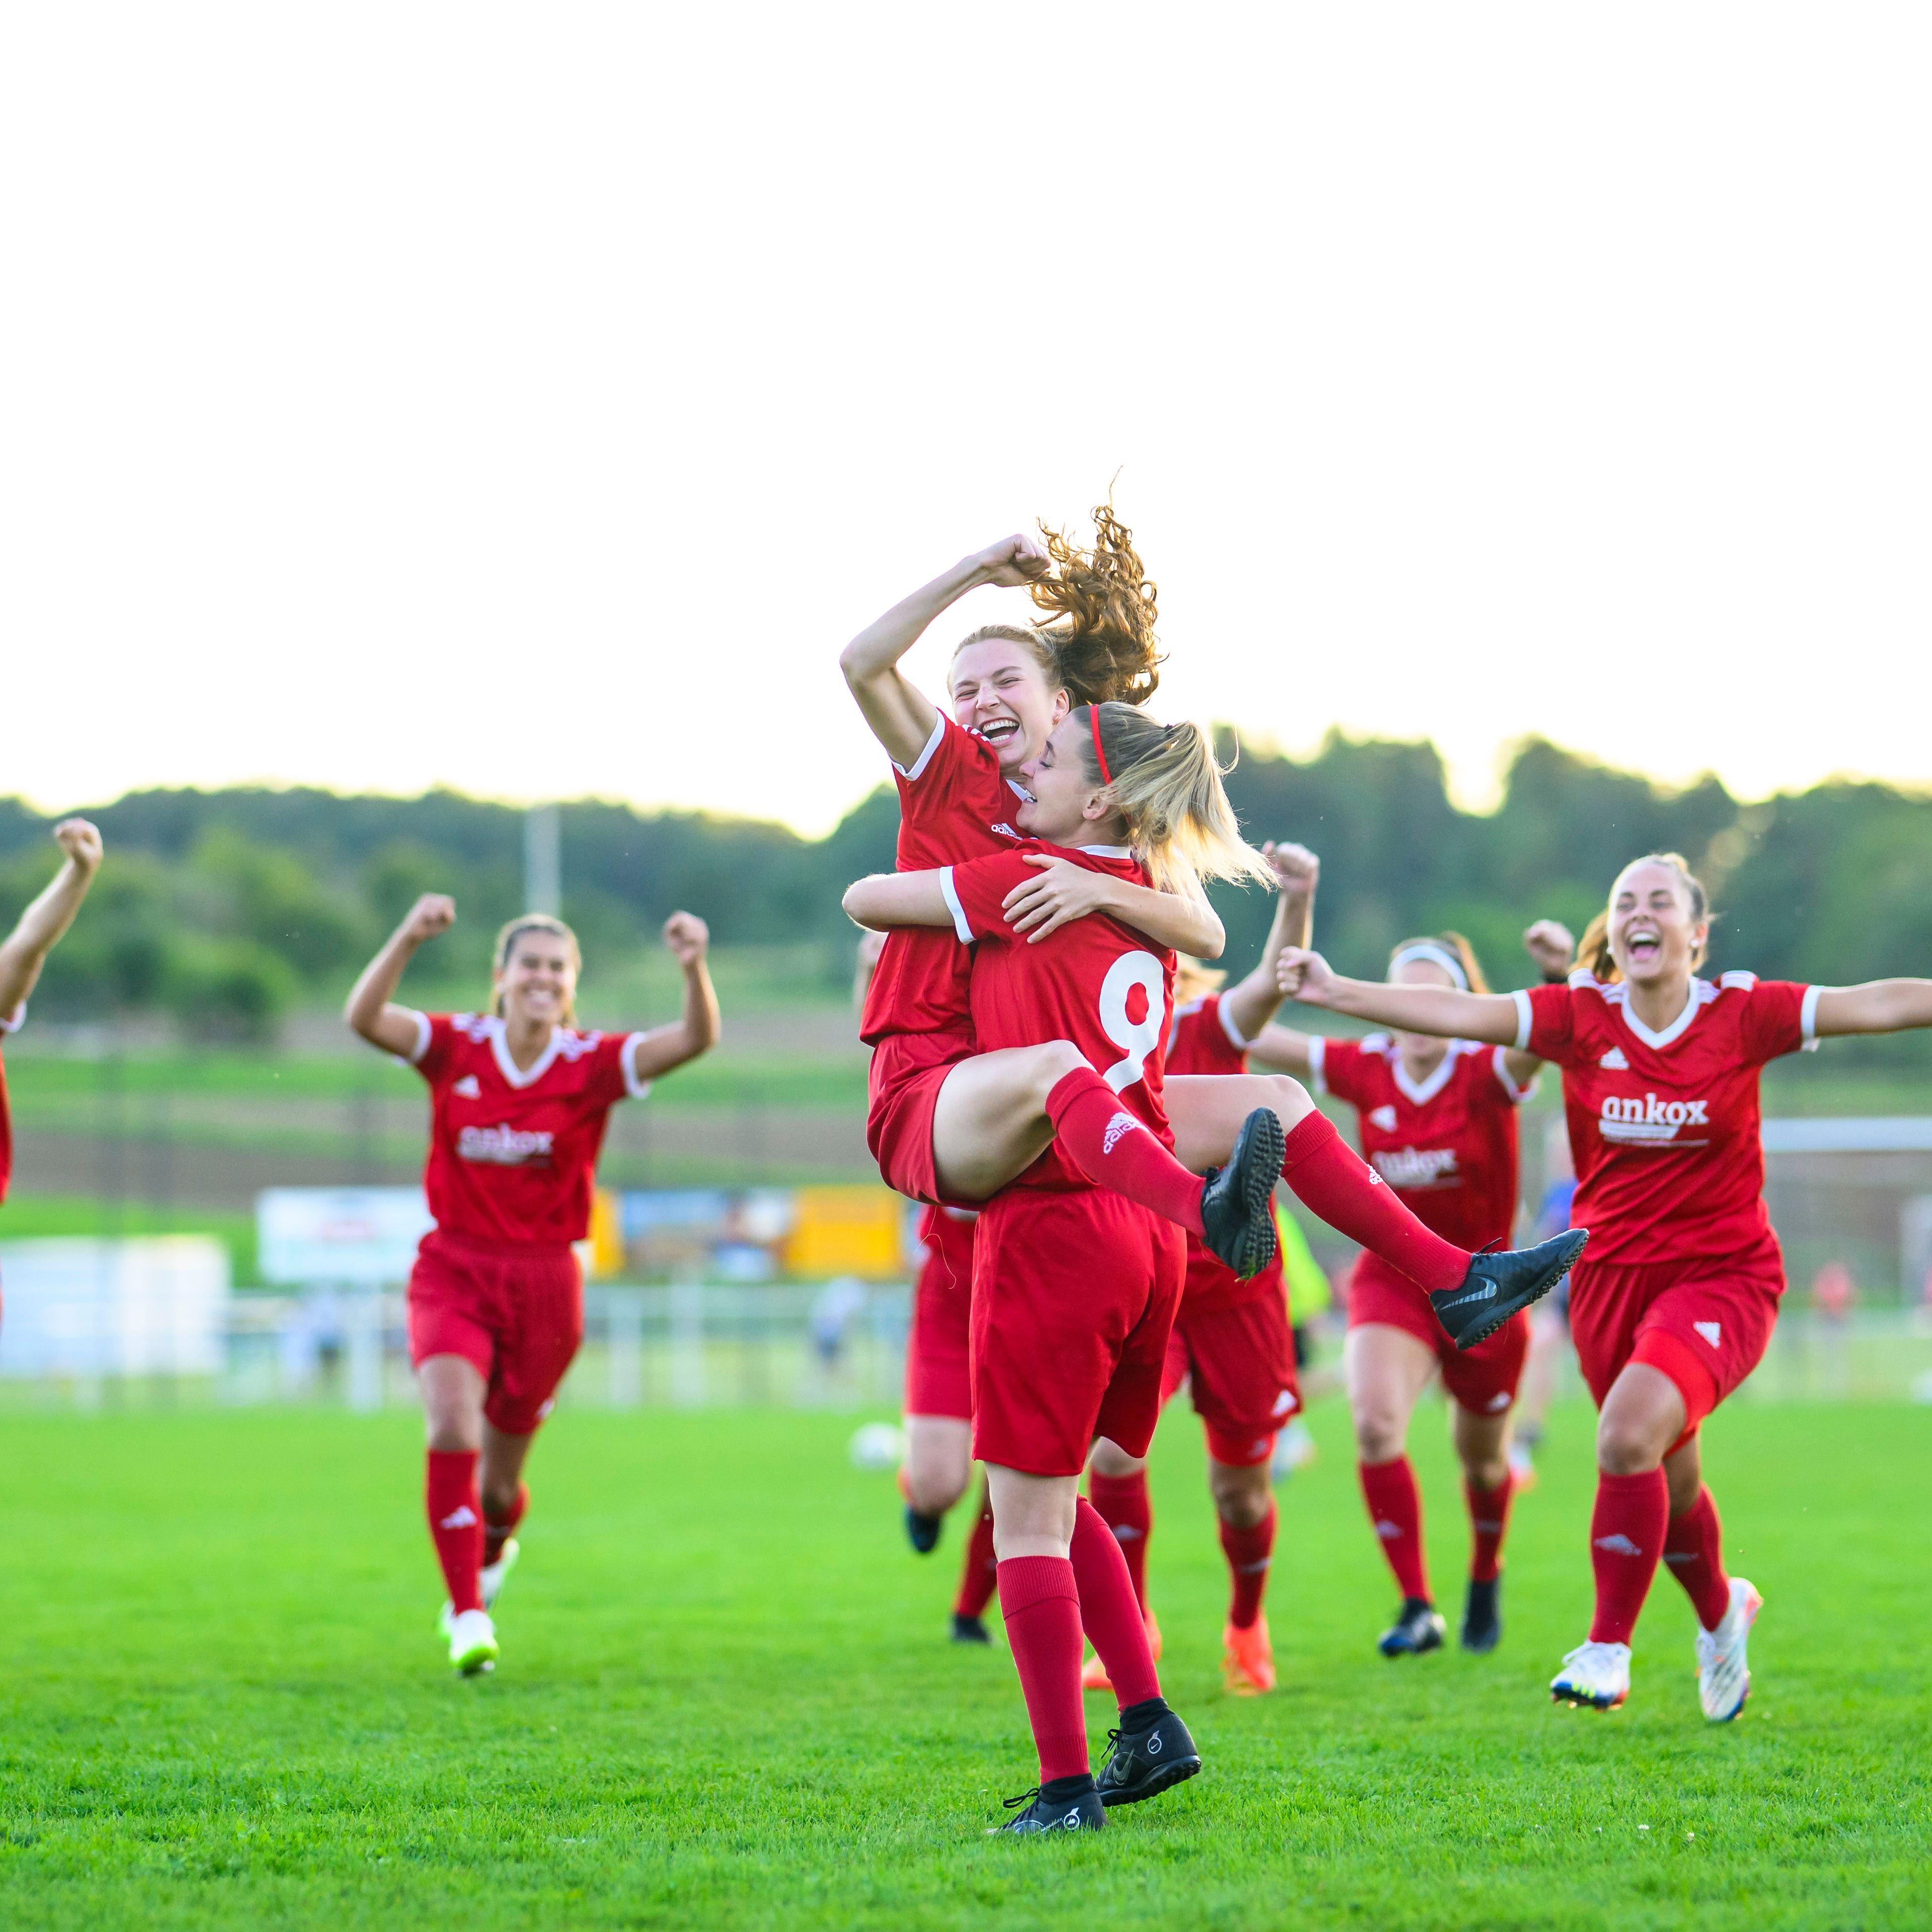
(1627,1532)
(456,1524)
(1041,1604)
(1115,1622)
(1693,1554)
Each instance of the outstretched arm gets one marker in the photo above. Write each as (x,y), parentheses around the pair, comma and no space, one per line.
(369,1009)
(1879,1005)
(887,899)
(688,939)
(1253,1002)
(24,951)
(902,716)
(1442,1010)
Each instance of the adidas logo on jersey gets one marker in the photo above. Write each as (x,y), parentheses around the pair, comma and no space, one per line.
(1117,1128)
(1615,1060)
(1618,1545)
(503,1146)
(1417,1167)
(1383,1118)
(466,1088)
(1711,1331)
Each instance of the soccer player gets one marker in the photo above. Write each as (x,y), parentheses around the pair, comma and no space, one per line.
(1438,1120)
(519,1097)
(24,951)
(1075,1287)
(949,1124)
(1231,1343)
(1676,1303)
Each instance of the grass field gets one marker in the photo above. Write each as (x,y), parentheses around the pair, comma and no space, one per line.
(724,1699)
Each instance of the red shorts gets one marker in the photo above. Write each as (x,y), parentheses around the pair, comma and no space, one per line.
(1239,1364)
(1073,1294)
(939,1349)
(1483,1379)
(908,1069)
(515,1314)
(1705,1323)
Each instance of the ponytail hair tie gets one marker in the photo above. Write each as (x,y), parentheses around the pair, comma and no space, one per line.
(1099,756)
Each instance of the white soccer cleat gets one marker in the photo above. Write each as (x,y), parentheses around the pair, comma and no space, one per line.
(1596,1676)
(495,1575)
(1723,1677)
(473,1643)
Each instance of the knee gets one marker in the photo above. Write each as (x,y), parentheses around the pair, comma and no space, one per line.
(1052,1063)
(1381,1434)
(1625,1448)
(499,1498)
(1242,1497)
(453,1433)
(1289,1099)
(1488,1470)
(932,1487)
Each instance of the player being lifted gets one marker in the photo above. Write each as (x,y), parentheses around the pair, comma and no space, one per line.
(24,951)
(519,1097)
(1438,1119)
(1231,1343)
(1676,1304)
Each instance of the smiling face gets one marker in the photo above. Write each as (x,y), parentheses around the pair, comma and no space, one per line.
(1655,933)
(1420,1052)
(999,690)
(537,984)
(1067,798)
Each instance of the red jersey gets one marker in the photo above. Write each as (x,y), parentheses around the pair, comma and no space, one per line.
(1094,981)
(513,1154)
(10,1025)
(953,805)
(1203,1039)
(1664,1129)
(1448,1144)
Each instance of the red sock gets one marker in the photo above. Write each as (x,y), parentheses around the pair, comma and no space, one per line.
(1694,1551)
(1626,1530)
(1042,1612)
(1488,1520)
(1112,1149)
(1112,1618)
(1123,1505)
(456,1523)
(1329,1178)
(1395,1508)
(980,1569)
(497,1530)
(1249,1552)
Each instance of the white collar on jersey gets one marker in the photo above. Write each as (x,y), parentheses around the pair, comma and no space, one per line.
(1108,851)
(517,1076)
(1420,1093)
(1702,992)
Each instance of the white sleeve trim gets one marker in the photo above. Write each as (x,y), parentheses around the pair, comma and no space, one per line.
(415,1053)
(910,773)
(14,1021)
(1228,1025)
(1807,1016)
(1518,1094)
(627,1059)
(961,924)
(1525,1019)
(1318,1056)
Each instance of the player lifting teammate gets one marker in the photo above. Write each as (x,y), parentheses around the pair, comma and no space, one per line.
(519,1099)
(1676,1304)
(1075,1287)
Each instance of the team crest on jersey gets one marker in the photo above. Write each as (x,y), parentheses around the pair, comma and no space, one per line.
(1615,1060)
(466,1088)
(504,1147)
(1413,1167)
(1650,1122)
(1383,1120)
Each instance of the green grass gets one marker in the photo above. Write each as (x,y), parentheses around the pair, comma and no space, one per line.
(723,1700)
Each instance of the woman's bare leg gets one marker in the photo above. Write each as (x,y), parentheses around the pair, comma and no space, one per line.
(938,1462)
(990,1124)
(1206,1111)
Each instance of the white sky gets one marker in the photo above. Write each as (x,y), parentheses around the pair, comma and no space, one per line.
(534,400)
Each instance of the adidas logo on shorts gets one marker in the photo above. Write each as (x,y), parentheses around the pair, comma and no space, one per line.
(1711,1331)
(1121,1124)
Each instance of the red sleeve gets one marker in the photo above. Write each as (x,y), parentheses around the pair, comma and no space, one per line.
(1546,1024)
(1338,1070)
(1779,1016)
(436,1035)
(930,786)
(977,891)
(609,1078)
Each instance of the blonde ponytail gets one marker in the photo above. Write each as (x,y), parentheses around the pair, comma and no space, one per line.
(1164,782)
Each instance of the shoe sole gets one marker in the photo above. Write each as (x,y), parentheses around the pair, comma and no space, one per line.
(1177,1772)
(1579,1700)
(475,1663)
(1259,1153)
(1480,1646)
(1516,1308)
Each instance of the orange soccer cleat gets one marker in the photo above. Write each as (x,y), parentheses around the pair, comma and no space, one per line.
(1247,1659)
(1094,1676)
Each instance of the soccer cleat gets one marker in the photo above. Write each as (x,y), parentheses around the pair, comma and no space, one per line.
(922,1531)
(1482,1621)
(473,1643)
(1077,1810)
(1237,1204)
(970,1629)
(1723,1677)
(1145,1762)
(1594,1675)
(1497,1285)
(1247,1659)
(1294,1448)
(1418,1626)
(1094,1673)
(496,1575)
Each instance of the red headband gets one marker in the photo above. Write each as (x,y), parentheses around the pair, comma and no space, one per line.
(1100,757)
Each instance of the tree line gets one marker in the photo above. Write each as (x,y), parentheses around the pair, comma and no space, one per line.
(226,907)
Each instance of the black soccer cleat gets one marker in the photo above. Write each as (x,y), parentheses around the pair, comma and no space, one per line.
(970,1629)
(1143,1763)
(922,1531)
(1417,1627)
(1497,1285)
(1066,1804)
(1238,1209)
(1482,1620)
